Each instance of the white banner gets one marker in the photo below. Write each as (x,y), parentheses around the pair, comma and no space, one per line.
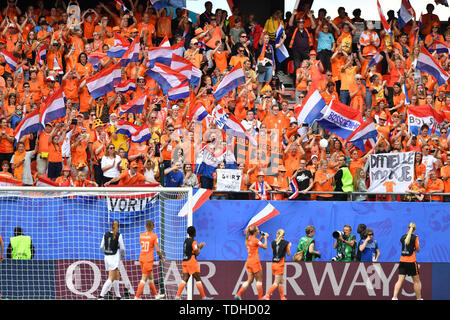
(130,203)
(228,180)
(391,172)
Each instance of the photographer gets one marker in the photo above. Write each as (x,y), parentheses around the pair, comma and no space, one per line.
(306,245)
(368,247)
(345,244)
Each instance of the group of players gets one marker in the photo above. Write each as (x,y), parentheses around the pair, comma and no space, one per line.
(113,247)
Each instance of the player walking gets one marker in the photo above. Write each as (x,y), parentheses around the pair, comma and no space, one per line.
(190,264)
(149,242)
(254,268)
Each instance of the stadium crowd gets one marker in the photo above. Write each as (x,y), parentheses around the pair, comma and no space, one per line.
(328,52)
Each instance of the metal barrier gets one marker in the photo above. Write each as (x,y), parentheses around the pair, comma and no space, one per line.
(370,196)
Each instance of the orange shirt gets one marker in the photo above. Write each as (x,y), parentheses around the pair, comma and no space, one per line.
(445,171)
(71,89)
(435,185)
(127,179)
(5,145)
(79,154)
(253,245)
(320,176)
(54,152)
(167,151)
(148,241)
(221,60)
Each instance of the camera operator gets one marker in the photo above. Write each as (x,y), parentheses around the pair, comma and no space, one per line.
(345,244)
(368,247)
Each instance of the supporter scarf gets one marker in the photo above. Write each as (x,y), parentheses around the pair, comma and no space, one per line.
(261,192)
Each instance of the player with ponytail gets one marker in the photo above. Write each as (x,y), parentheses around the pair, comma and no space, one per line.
(408,263)
(280,248)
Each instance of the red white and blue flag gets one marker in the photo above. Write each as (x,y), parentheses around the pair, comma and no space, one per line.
(384,23)
(425,114)
(377,57)
(441,47)
(311,109)
(126,86)
(198,113)
(11,61)
(232,126)
(365,136)
(121,6)
(132,53)
(165,77)
(181,91)
(443,2)
(294,189)
(134,106)
(119,48)
(231,81)
(30,124)
(54,107)
(406,13)
(264,215)
(165,42)
(185,67)
(199,196)
(41,55)
(126,128)
(340,119)
(281,52)
(104,81)
(94,59)
(163,55)
(428,64)
(142,134)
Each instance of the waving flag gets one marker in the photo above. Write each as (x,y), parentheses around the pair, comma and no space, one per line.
(9,182)
(365,135)
(179,92)
(198,113)
(427,64)
(30,124)
(132,53)
(104,81)
(165,77)
(185,67)
(425,114)
(231,125)
(405,14)
(142,134)
(267,213)
(121,6)
(119,48)
(94,59)
(11,61)
(294,189)
(443,2)
(231,81)
(340,119)
(134,106)
(441,47)
(311,109)
(281,52)
(165,42)
(405,92)
(384,23)
(163,55)
(126,128)
(126,86)
(199,196)
(159,4)
(41,55)
(377,57)
(54,107)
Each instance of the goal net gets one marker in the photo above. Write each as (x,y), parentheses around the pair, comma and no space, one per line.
(66,227)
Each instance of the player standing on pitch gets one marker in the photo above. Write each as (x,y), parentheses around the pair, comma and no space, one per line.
(113,247)
(190,264)
(280,248)
(254,268)
(148,241)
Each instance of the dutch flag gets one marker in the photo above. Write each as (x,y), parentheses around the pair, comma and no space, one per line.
(281,52)
(30,124)
(294,189)
(366,133)
(126,128)
(405,14)
(441,47)
(41,56)
(94,59)
(142,134)
(198,113)
(264,215)
(119,48)
(54,107)
(165,77)
(121,6)
(377,57)
(104,81)
(11,61)
(311,109)
(427,64)
(179,92)
(126,86)
(231,81)
(134,106)
(132,53)
(163,55)
(385,24)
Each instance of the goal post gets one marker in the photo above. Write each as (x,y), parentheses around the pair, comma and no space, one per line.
(66,226)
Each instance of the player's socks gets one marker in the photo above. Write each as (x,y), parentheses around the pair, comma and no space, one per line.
(140,289)
(106,287)
(270,291)
(181,288)
(242,289)
(200,288)
(116,288)
(152,286)
(281,291)
(259,288)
